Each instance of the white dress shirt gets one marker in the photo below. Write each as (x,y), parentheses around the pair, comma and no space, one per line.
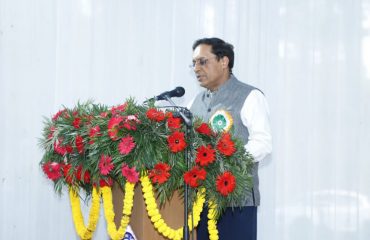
(255,116)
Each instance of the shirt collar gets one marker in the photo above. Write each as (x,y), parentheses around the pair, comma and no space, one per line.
(223,86)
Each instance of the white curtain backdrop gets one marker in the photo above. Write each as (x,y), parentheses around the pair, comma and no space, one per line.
(310,57)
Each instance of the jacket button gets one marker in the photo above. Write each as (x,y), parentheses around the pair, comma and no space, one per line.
(209,109)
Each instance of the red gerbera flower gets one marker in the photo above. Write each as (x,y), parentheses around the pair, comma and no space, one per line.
(94,132)
(176,142)
(195,175)
(58,148)
(113,126)
(169,115)
(79,144)
(52,170)
(130,122)
(106,182)
(76,123)
(126,145)
(129,125)
(225,183)
(205,155)
(174,123)
(204,129)
(69,148)
(67,173)
(130,173)
(105,164)
(155,115)
(118,109)
(160,173)
(225,145)
(57,115)
(86,176)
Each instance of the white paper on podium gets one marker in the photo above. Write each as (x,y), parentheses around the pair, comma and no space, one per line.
(129,235)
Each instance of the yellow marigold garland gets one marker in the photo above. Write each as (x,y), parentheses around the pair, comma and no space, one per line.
(109,213)
(86,233)
(212,222)
(83,231)
(156,217)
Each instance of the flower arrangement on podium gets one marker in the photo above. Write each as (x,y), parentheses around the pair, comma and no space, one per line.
(91,146)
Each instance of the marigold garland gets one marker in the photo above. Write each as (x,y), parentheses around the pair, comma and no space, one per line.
(152,209)
(83,231)
(109,213)
(212,222)
(156,217)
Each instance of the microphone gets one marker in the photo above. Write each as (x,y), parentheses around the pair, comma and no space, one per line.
(177,92)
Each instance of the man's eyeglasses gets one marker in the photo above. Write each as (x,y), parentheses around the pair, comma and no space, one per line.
(201,61)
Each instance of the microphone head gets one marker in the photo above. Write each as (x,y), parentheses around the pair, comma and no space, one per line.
(179,92)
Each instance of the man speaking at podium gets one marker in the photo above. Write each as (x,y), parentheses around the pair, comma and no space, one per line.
(213,60)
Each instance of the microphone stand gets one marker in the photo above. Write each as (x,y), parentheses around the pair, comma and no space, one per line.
(187,116)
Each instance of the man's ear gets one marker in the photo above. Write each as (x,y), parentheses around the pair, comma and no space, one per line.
(225,61)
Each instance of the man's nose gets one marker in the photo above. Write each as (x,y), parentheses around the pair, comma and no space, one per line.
(196,67)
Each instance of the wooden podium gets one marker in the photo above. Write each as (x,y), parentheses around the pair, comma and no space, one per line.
(172,213)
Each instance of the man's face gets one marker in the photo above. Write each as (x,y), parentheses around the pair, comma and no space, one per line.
(210,72)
